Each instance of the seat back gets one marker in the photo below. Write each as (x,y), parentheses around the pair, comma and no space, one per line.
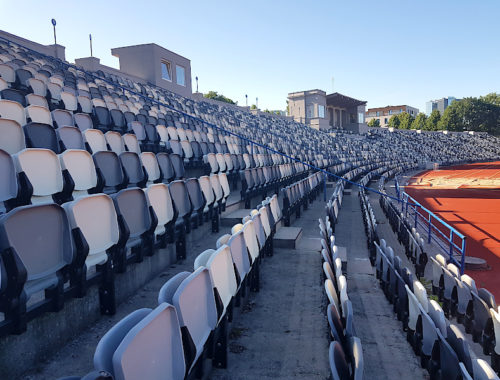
(180,197)
(70,137)
(132,166)
(95,140)
(115,142)
(178,165)
(81,167)
(133,206)
(150,163)
(195,194)
(159,198)
(8,179)
(12,140)
(41,136)
(110,168)
(157,340)
(239,254)
(41,237)
(338,362)
(43,169)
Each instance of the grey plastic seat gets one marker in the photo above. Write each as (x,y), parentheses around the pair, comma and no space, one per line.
(178,165)
(239,254)
(110,171)
(81,167)
(83,121)
(136,217)
(135,172)
(166,168)
(180,198)
(62,118)
(338,362)
(197,201)
(40,236)
(193,297)
(70,138)
(39,135)
(157,340)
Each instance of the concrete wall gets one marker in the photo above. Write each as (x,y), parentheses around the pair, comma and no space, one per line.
(57,51)
(145,62)
(298,103)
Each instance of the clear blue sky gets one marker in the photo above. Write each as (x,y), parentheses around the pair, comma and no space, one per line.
(385,52)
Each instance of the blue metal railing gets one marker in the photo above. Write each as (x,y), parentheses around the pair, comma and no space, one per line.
(447,238)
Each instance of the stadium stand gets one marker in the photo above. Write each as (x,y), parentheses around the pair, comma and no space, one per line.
(100,172)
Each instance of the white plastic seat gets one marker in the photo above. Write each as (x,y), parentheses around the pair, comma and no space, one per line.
(331,293)
(81,167)
(220,265)
(239,253)
(36,100)
(95,140)
(131,143)
(83,121)
(96,217)
(12,136)
(208,192)
(159,198)
(39,114)
(43,169)
(150,163)
(221,162)
(115,142)
(251,240)
(212,161)
(12,111)
(70,101)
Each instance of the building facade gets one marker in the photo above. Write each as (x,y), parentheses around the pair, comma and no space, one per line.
(383,114)
(438,104)
(324,112)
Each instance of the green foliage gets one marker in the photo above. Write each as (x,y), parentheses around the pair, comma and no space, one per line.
(253,107)
(433,120)
(473,114)
(419,122)
(405,120)
(374,123)
(215,96)
(394,122)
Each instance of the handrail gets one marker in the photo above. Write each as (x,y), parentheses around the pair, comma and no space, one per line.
(434,225)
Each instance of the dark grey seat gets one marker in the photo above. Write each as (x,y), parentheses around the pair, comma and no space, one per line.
(178,165)
(135,172)
(197,200)
(166,167)
(9,186)
(70,138)
(137,223)
(109,171)
(40,135)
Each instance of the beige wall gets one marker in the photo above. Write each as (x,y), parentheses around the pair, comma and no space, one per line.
(298,103)
(57,51)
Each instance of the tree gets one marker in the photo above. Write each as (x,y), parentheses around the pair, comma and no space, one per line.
(419,121)
(221,98)
(394,121)
(492,98)
(433,120)
(452,119)
(374,123)
(253,107)
(405,120)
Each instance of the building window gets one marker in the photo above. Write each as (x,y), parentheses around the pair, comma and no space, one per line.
(385,120)
(321,111)
(361,117)
(180,73)
(378,113)
(310,111)
(400,110)
(390,112)
(166,72)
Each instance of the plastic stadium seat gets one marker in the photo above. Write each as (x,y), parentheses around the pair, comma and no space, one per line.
(80,166)
(193,297)
(197,201)
(43,170)
(14,95)
(95,216)
(36,100)
(12,140)
(37,86)
(36,244)
(150,163)
(159,198)
(166,167)
(62,118)
(110,171)
(178,165)
(135,172)
(237,245)
(444,363)
(94,140)
(459,344)
(13,111)
(137,218)
(339,366)
(7,73)
(212,161)
(9,187)
(70,101)
(83,121)
(38,114)
(131,143)
(115,142)
(39,135)
(220,265)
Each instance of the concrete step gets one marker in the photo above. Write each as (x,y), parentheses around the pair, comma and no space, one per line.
(230,218)
(287,237)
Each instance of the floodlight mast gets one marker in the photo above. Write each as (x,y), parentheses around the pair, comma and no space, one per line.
(53,21)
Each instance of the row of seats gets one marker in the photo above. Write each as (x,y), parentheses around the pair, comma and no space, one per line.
(191,323)
(88,239)
(442,348)
(345,352)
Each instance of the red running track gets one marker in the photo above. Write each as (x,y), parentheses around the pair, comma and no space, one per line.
(473,211)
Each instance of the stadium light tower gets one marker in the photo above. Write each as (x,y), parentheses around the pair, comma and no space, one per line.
(196,83)
(53,21)
(257,103)
(90,38)
(246,100)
